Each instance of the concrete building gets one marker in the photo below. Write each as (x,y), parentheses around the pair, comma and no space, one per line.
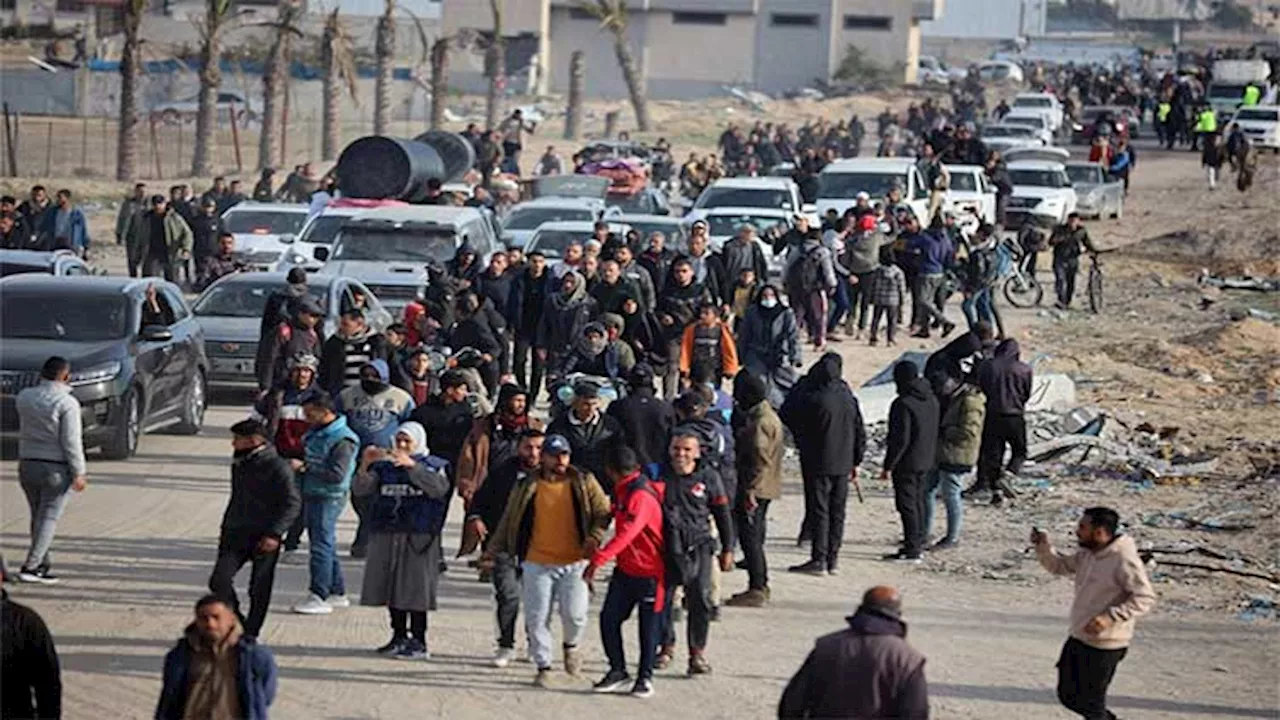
(988,20)
(691,48)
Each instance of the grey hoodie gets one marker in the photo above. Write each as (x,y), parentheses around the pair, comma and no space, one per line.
(51,426)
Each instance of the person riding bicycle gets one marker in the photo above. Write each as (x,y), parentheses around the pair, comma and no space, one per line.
(1068,242)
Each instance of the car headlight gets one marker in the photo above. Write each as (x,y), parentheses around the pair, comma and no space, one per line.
(295,258)
(95,374)
(1051,203)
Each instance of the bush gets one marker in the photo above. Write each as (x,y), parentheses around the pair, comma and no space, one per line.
(858,69)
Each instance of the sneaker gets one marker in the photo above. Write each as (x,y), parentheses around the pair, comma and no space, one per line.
(543,679)
(339,601)
(698,665)
(741,565)
(412,649)
(944,544)
(295,557)
(748,599)
(313,605)
(813,567)
(832,570)
(714,615)
(903,557)
(643,688)
(572,661)
(614,681)
(41,575)
(503,657)
(391,648)
(948,328)
(873,342)
(666,654)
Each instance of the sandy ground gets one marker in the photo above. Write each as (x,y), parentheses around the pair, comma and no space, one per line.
(136,548)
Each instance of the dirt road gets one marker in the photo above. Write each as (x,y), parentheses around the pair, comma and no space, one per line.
(136,548)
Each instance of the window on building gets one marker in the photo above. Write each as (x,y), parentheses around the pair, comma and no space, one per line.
(577,13)
(793,20)
(70,6)
(699,18)
(8,4)
(868,22)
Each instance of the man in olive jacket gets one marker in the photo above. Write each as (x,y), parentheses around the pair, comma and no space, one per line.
(759,440)
(962,409)
(160,241)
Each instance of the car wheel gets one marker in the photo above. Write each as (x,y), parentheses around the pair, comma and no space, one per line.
(123,442)
(194,406)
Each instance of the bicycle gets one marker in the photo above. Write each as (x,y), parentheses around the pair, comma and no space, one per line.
(1095,281)
(1021,288)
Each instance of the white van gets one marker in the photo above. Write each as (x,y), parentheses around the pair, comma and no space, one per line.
(1046,103)
(970,190)
(840,182)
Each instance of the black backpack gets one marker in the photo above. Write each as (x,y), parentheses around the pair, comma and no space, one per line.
(806,273)
(676,548)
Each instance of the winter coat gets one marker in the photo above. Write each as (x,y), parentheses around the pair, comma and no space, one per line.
(330,457)
(769,339)
(862,254)
(515,529)
(646,422)
(264,497)
(281,412)
(256,678)
(205,230)
(32,678)
(934,250)
(528,299)
(214,267)
(489,444)
(609,297)
(637,540)
(680,304)
(1005,380)
(375,418)
(177,237)
(447,427)
(713,278)
(912,446)
(864,672)
(288,339)
(823,416)
(760,443)
(563,319)
(131,210)
(341,359)
(587,440)
(736,257)
(960,430)
(699,345)
(889,286)
(498,290)
(658,265)
(642,280)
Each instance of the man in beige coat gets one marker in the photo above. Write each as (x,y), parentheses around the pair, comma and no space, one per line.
(1112,592)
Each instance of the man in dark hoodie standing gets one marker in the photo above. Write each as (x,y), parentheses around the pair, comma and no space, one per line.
(1006,381)
(464,267)
(287,340)
(264,502)
(528,300)
(864,671)
(911,453)
(824,418)
(646,420)
(563,319)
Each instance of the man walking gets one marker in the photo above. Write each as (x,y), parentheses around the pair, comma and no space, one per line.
(554,520)
(51,460)
(961,408)
(867,670)
(130,210)
(264,501)
(910,455)
(759,441)
(216,670)
(160,241)
(1006,382)
(934,250)
(1068,241)
(327,469)
(824,417)
(1112,592)
(65,227)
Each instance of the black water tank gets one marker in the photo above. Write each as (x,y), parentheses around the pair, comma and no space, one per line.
(385,168)
(457,152)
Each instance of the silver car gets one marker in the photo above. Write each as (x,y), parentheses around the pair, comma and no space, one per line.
(1097,194)
(230,312)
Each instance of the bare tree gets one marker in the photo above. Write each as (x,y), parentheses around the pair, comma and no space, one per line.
(613,16)
(216,13)
(495,68)
(274,77)
(337,53)
(130,65)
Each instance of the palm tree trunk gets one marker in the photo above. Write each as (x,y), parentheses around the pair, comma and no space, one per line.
(439,81)
(573,113)
(330,135)
(385,49)
(495,66)
(210,79)
(127,140)
(268,139)
(635,84)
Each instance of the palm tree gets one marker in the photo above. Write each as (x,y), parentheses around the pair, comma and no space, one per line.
(385,51)
(439,84)
(339,71)
(613,16)
(216,12)
(494,69)
(274,76)
(130,64)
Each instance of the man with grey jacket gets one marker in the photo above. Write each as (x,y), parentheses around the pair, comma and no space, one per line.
(50,460)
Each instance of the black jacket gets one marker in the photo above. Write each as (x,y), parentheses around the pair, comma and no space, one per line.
(1005,380)
(32,685)
(714,280)
(490,501)
(864,672)
(912,446)
(333,357)
(587,442)
(528,298)
(825,419)
(498,291)
(949,358)
(646,423)
(205,230)
(563,320)
(447,427)
(609,297)
(265,500)
(681,305)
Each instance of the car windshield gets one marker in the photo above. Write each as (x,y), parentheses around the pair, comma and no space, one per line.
(529,218)
(1226,92)
(1258,114)
(245,300)
(1007,131)
(403,244)
(1035,102)
(1084,174)
(323,229)
(965,182)
(12,268)
(1091,114)
(263,222)
(847,185)
(727,225)
(1039,178)
(552,243)
(1031,121)
(715,197)
(49,315)
(642,203)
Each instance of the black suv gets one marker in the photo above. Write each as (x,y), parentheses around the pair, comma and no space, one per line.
(133,368)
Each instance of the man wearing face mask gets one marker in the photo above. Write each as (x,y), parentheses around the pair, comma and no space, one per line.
(374,409)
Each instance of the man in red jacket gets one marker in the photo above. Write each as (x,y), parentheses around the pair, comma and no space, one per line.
(638,578)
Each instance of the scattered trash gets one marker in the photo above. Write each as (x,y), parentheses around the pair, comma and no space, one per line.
(1258,607)
(1239,282)
(754,99)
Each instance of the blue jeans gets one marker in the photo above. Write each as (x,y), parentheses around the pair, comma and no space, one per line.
(46,485)
(322,527)
(978,307)
(625,593)
(950,484)
(840,304)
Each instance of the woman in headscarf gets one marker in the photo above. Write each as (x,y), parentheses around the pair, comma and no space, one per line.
(769,343)
(406,488)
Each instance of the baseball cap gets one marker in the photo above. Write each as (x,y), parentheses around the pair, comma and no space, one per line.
(556,445)
(862,195)
(867,223)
